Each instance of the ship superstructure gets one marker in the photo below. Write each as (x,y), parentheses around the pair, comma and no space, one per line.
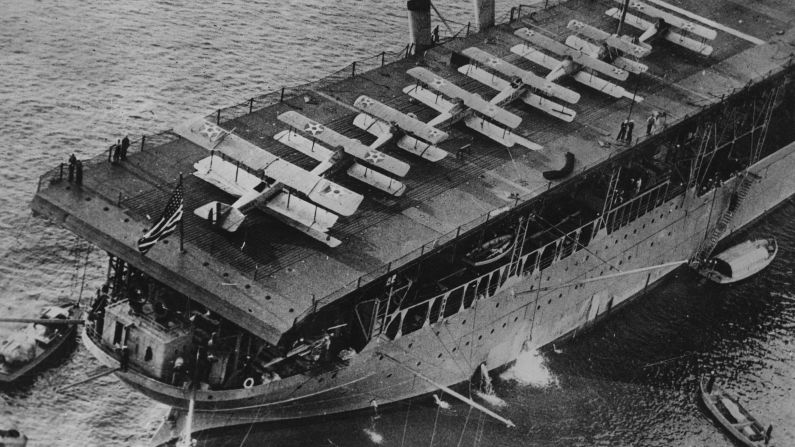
(369,239)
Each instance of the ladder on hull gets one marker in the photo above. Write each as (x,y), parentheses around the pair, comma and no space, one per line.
(738,197)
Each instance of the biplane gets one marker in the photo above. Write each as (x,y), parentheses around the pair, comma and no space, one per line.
(338,160)
(573,64)
(661,28)
(609,48)
(523,85)
(355,148)
(388,124)
(465,106)
(264,181)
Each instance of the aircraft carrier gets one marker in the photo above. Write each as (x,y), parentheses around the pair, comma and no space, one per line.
(404,224)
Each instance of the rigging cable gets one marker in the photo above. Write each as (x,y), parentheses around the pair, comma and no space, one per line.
(435,420)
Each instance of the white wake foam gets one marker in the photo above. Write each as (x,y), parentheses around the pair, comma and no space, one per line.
(529,369)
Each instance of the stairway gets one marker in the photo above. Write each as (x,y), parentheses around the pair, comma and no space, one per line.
(518,244)
(739,195)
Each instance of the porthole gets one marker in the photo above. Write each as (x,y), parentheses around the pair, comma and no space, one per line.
(492,331)
(225,275)
(247,286)
(419,363)
(464,322)
(205,263)
(496,304)
(560,295)
(88,199)
(538,307)
(126,219)
(389,375)
(267,297)
(410,345)
(620,262)
(466,344)
(652,243)
(291,310)
(504,324)
(439,355)
(480,337)
(454,349)
(106,209)
(165,241)
(549,301)
(515,319)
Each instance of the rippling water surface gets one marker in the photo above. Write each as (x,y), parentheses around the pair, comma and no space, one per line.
(77,75)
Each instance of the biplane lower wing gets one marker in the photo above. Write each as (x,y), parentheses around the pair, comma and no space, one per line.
(582,77)
(297,213)
(405,122)
(408,143)
(499,134)
(620,61)
(611,40)
(321,191)
(353,147)
(673,20)
(471,100)
(671,35)
(323,154)
(529,98)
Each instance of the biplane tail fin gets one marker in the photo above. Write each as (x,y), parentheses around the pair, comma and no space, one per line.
(226,216)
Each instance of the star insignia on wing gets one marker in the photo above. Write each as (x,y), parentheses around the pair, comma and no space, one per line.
(314,128)
(438,82)
(374,157)
(366,102)
(211,132)
(493,61)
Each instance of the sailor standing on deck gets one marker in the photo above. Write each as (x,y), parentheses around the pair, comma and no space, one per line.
(125,144)
(650,123)
(623,130)
(630,128)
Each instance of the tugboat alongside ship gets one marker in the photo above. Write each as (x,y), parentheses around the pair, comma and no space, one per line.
(275,285)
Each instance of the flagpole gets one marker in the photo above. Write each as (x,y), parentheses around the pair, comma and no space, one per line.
(181,224)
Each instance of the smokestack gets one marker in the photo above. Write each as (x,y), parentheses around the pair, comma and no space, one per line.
(484,13)
(419,24)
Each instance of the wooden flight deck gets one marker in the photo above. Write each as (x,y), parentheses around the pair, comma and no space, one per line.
(266,275)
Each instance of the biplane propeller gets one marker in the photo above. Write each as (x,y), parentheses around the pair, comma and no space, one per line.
(465,106)
(522,85)
(388,124)
(572,65)
(264,181)
(662,27)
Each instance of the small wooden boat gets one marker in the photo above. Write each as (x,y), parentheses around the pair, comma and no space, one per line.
(490,251)
(740,261)
(28,348)
(12,438)
(727,410)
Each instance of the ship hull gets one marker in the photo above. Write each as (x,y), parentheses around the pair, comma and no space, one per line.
(494,330)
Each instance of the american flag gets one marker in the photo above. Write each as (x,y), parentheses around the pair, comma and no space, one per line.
(167,223)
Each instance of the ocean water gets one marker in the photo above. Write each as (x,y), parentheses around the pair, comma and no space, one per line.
(78,75)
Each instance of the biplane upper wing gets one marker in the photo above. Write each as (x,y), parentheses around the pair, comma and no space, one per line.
(671,36)
(529,78)
(619,61)
(471,100)
(577,56)
(405,122)
(611,40)
(528,97)
(675,21)
(353,147)
(582,77)
(380,129)
(320,190)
